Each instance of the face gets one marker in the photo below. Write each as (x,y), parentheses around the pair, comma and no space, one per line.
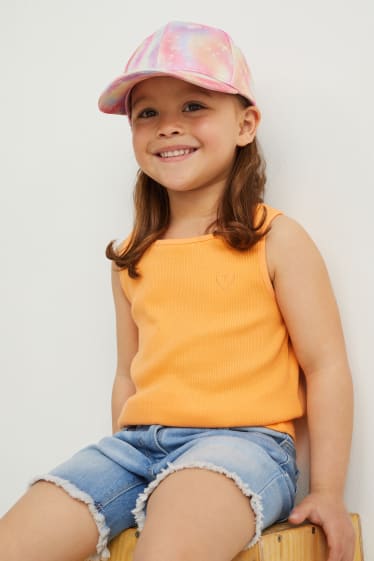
(184,136)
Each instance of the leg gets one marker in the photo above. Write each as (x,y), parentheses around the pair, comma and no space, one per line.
(46,524)
(88,503)
(195,515)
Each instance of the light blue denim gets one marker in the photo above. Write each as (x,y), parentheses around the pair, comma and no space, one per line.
(116,476)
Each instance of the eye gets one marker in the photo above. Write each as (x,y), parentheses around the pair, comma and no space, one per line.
(146,113)
(193,106)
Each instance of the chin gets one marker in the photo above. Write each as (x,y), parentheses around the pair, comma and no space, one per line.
(181,188)
(177,185)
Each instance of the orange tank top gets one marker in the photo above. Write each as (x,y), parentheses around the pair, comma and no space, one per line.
(213,349)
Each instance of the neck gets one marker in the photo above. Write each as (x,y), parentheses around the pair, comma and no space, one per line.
(193,210)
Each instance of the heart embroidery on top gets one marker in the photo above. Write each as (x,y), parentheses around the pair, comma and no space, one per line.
(225,280)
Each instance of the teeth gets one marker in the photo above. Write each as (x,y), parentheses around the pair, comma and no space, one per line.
(173,153)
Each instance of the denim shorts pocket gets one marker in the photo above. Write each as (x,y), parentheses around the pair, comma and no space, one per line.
(273,447)
(160,431)
(169,438)
(290,467)
(288,445)
(282,450)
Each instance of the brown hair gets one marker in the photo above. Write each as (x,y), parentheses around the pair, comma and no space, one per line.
(235,213)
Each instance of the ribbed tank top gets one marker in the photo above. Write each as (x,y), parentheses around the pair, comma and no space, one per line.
(213,348)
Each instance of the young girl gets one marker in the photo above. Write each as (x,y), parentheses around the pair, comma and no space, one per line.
(221,302)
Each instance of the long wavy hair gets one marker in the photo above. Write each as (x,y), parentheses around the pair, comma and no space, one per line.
(236,211)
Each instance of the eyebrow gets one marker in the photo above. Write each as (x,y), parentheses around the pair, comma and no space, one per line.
(137,101)
(194,89)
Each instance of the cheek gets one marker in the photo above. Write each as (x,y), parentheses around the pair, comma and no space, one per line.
(138,147)
(220,135)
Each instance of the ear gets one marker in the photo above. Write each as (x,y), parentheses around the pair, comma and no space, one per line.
(248,122)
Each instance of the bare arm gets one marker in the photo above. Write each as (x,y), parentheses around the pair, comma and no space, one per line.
(127,345)
(307,303)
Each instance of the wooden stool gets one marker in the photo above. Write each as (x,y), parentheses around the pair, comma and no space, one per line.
(281,542)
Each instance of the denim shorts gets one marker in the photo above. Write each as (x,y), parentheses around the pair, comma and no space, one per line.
(116,476)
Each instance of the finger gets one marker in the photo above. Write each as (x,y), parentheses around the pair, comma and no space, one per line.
(336,553)
(341,542)
(296,517)
(349,551)
(299,514)
(341,547)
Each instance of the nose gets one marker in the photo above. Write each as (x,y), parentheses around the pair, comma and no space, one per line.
(169,126)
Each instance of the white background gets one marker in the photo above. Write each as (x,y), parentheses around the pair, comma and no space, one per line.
(66,180)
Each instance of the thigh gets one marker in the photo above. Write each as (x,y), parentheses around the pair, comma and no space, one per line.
(108,477)
(260,464)
(195,514)
(45,524)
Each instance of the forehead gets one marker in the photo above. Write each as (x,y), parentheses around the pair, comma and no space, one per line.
(152,87)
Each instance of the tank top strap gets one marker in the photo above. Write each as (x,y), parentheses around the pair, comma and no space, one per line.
(265,214)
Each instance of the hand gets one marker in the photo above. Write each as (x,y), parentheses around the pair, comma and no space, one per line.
(328,511)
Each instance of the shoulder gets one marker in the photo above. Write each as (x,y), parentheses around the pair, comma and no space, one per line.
(289,247)
(264,215)
(304,295)
(286,230)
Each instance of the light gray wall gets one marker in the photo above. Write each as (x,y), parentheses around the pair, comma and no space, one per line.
(66,187)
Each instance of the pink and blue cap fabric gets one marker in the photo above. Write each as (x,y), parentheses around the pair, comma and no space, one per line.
(199,54)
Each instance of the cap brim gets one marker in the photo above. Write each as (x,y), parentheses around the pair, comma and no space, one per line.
(114,98)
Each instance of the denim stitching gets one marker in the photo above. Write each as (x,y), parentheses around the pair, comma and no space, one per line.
(104,505)
(157,442)
(283,476)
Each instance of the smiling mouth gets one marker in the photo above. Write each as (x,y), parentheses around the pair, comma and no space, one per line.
(176,153)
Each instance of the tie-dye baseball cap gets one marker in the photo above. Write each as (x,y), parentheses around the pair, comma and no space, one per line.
(199,54)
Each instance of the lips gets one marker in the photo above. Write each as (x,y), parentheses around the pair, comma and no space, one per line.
(175,152)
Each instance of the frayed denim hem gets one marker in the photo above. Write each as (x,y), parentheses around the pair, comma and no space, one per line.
(102,551)
(255,500)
